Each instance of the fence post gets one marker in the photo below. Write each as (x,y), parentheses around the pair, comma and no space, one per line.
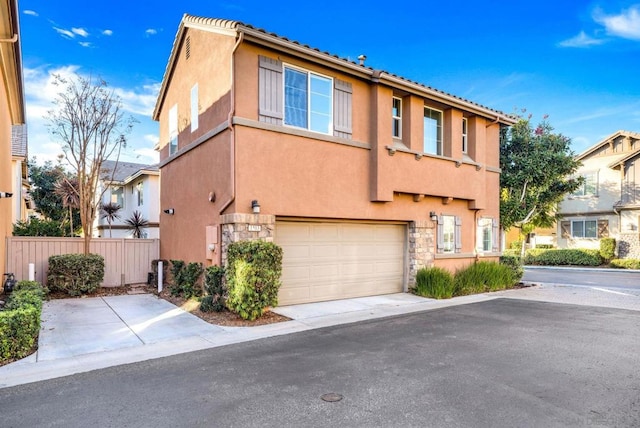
(32,272)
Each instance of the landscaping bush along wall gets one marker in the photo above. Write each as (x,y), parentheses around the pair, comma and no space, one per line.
(559,257)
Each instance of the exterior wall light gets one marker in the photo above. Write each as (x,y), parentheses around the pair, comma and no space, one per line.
(433,216)
(6,194)
(169,211)
(255,206)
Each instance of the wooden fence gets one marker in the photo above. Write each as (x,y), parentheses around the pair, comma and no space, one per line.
(126,261)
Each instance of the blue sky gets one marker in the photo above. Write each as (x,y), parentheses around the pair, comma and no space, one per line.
(577,62)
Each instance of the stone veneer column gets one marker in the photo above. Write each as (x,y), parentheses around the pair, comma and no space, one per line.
(246,227)
(421,247)
(629,246)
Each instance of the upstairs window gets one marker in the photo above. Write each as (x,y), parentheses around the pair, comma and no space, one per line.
(396,114)
(308,100)
(465,146)
(173,129)
(139,188)
(117,195)
(590,185)
(432,131)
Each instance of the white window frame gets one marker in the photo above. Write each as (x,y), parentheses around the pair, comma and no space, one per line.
(485,229)
(195,114)
(584,229)
(448,236)
(396,119)
(173,129)
(590,180)
(309,73)
(140,192)
(113,194)
(465,139)
(440,142)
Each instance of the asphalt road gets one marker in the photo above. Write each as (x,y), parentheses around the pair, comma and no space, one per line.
(607,278)
(500,363)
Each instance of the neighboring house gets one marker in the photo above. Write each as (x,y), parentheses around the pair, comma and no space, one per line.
(12,112)
(22,203)
(608,203)
(361,176)
(540,236)
(135,187)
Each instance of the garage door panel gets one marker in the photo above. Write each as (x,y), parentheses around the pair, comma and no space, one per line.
(328,261)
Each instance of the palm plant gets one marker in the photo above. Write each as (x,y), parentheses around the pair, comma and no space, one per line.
(136,223)
(110,211)
(67,189)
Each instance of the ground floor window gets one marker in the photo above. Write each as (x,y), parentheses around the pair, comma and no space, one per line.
(449,238)
(584,229)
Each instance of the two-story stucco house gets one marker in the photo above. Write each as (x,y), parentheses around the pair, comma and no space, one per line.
(608,204)
(134,187)
(22,203)
(12,112)
(361,176)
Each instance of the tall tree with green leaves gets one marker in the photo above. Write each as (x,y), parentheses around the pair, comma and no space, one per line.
(89,121)
(538,170)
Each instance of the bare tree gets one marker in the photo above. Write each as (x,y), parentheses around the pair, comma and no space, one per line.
(89,121)
(110,211)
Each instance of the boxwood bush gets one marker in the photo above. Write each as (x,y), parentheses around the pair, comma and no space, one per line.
(75,274)
(558,257)
(515,264)
(607,248)
(214,289)
(186,279)
(20,321)
(434,282)
(625,263)
(253,277)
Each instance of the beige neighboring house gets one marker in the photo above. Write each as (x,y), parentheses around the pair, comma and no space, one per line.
(135,187)
(22,203)
(608,203)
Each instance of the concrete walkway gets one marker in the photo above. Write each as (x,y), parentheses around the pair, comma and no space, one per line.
(80,335)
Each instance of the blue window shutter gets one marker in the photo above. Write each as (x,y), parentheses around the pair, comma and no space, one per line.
(440,235)
(270,91)
(342,109)
(458,234)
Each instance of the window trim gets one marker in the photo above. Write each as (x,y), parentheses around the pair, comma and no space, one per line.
(330,127)
(140,193)
(112,192)
(584,229)
(582,191)
(439,144)
(195,113)
(456,237)
(173,129)
(396,119)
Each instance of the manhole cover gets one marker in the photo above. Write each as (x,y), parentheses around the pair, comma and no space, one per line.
(331,397)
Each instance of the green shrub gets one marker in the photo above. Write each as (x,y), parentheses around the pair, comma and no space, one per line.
(559,257)
(544,246)
(511,253)
(514,262)
(39,227)
(214,289)
(607,248)
(20,321)
(75,274)
(434,282)
(186,279)
(483,276)
(253,277)
(515,245)
(625,263)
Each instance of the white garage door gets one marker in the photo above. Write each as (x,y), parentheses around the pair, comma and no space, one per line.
(329,261)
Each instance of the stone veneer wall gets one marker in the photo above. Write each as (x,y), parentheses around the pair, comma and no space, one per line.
(629,246)
(238,227)
(421,247)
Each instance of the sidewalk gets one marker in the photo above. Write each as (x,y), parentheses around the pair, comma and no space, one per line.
(81,335)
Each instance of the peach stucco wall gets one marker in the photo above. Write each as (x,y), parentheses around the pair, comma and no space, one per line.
(5,174)
(307,176)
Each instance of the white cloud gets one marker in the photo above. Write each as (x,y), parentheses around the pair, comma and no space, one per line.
(85,44)
(30,12)
(626,24)
(582,40)
(139,100)
(80,32)
(65,33)
(107,33)
(151,32)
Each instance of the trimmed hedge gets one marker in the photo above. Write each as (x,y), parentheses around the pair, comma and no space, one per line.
(607,248)
(625,263)
(186,279)
(253,277)
(20,321)
(559,257)
(514,262)
(214,289)
(435,282)
(75,274)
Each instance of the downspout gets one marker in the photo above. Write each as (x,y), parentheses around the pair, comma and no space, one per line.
(232,157)
(11,40)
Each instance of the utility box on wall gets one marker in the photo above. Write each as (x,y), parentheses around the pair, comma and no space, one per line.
(211,242)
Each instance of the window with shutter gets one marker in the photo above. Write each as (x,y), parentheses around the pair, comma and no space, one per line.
(458,234)
(565,229)
(342,108)
(270,102)
(495,247)
(603,228)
